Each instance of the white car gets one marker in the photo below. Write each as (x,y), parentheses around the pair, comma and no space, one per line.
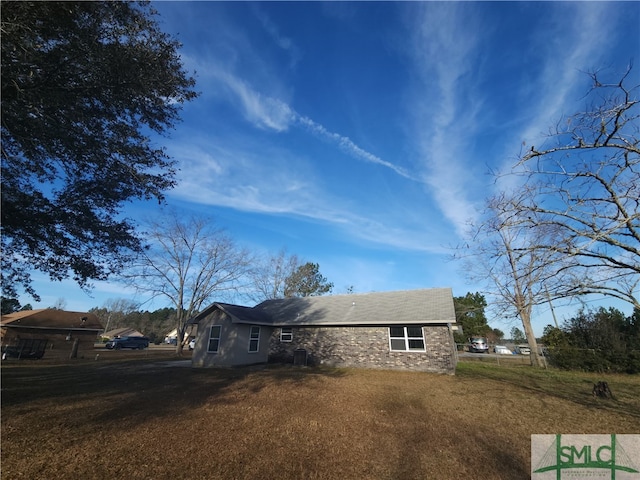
(502,350)
(478,345)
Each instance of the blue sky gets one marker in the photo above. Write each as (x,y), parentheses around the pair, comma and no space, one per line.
(359,135)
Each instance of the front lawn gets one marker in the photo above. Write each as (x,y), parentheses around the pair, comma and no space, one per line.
(141,419)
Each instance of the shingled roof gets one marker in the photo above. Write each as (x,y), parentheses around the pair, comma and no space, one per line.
(426,306)
(51,318)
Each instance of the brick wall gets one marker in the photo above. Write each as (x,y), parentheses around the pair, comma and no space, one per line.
(57,346)
(365,347)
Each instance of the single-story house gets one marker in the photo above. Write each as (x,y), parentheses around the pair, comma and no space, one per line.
(407,330)
(189,333)
(123,332)
(49,332)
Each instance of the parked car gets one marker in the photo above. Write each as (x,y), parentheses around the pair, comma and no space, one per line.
(192,344)
(523,349)
(502,350)
(136,343)
(478,345)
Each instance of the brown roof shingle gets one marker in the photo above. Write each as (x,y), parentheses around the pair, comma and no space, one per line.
(52,318)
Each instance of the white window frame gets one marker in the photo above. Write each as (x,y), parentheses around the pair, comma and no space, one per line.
(254,337)
(216,338)
(286,336)
(407,339)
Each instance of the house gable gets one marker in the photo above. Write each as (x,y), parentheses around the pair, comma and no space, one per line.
(231,344)
(123,332)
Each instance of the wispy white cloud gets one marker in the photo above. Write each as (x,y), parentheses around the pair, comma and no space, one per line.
(261,110)
(241,178)
(445,108)
(269,113)
(451,113)
(234,172)
(282,41)
(576,42)
(349,147)
(582,36)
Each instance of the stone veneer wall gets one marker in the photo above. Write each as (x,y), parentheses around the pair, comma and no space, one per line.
(365,347)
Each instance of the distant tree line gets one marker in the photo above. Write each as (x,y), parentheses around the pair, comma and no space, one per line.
(601,340)
(154,325)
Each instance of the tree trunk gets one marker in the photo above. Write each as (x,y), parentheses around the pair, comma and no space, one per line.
(536,359)
(180,331)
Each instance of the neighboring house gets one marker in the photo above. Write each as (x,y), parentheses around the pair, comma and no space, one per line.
(49,332)
(407,330)
(122,332)
(189,333)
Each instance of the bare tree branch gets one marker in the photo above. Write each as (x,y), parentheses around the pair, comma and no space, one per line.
(586,187)
(188,262)
(269,276)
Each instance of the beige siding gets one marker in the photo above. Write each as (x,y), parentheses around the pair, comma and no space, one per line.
(234,343)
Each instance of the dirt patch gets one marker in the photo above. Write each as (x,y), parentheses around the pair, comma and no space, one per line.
(145,419)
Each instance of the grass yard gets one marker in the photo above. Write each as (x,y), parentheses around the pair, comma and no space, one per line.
(140,419)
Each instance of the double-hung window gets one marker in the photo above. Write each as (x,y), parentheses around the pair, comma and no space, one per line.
(214,338)
(254,339)
(406,339)
(286,334)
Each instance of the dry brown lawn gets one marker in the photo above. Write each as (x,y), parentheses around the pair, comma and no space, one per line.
(141,419)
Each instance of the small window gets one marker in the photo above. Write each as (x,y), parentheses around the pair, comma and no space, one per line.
(214,338)
(404,339)
(254,339)
(286,334)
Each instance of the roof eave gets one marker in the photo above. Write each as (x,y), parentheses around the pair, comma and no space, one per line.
(345,324)
(204,314)
(54,327)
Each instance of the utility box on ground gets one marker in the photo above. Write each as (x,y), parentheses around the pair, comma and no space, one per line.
(300,357)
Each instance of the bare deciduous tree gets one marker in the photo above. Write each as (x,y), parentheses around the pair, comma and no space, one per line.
(586,187)
(502,253)
(187,262)
(269,276)
(572,227)
(115,311)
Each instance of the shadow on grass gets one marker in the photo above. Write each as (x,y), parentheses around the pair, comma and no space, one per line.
(136,391)
(441,448)
(572,386)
